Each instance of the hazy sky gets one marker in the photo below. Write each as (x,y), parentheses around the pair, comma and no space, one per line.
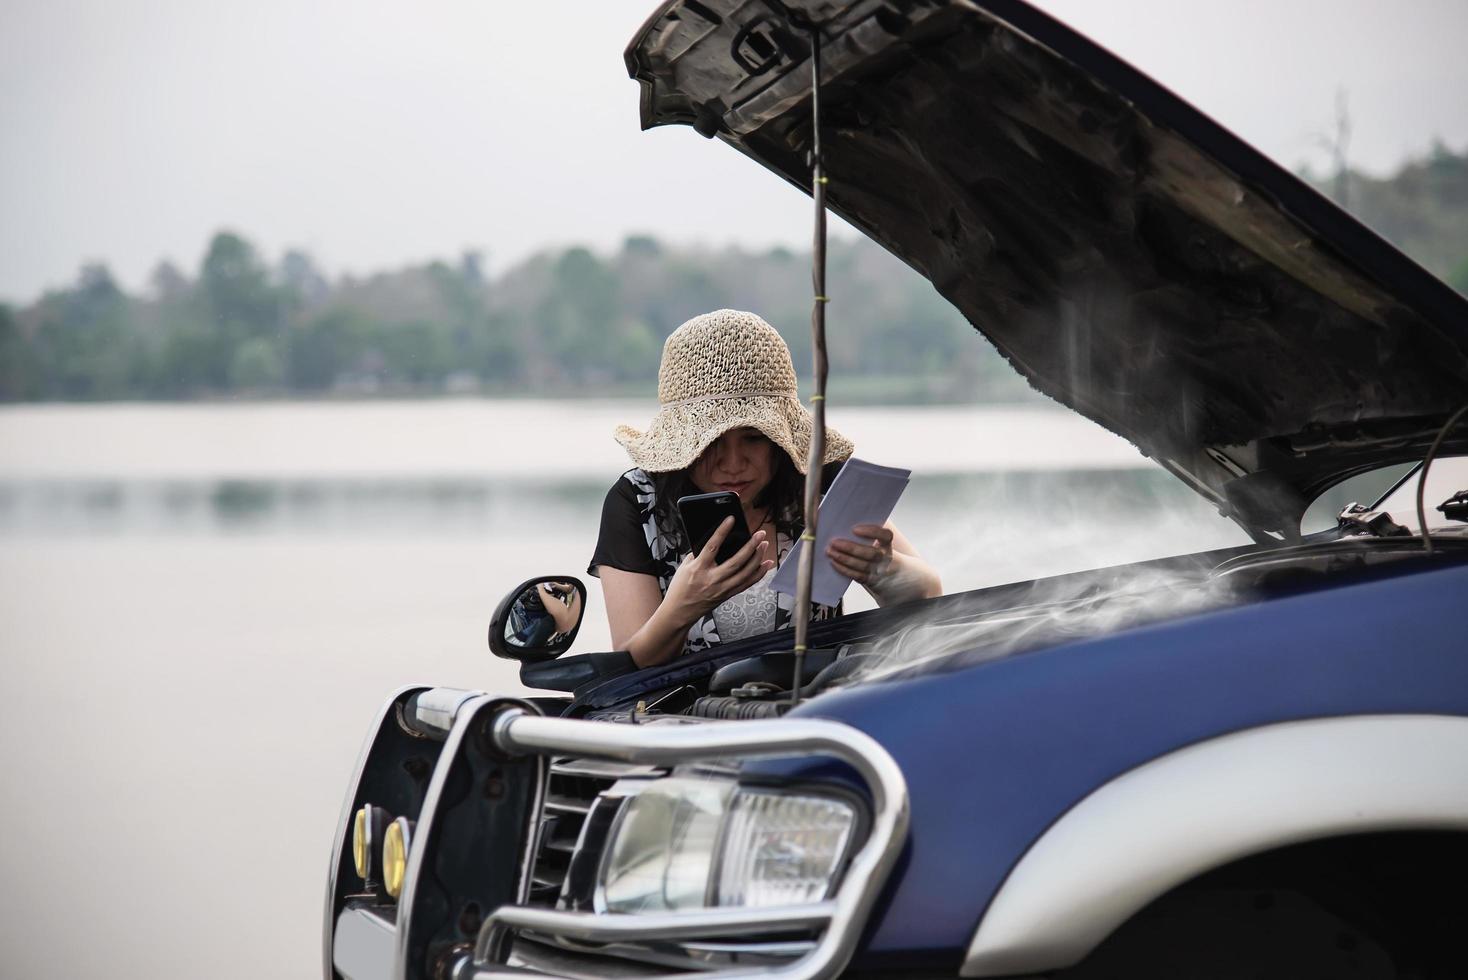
(375,134)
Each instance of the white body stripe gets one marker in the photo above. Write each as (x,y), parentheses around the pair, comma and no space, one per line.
(1208,804)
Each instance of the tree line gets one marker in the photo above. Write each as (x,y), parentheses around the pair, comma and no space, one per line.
(564,322)
(1422,208)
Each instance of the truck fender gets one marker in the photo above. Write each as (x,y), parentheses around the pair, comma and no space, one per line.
(1167,821)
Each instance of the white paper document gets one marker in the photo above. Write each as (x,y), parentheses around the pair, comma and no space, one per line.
(862,493)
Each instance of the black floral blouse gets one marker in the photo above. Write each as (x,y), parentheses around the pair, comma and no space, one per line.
(635,538)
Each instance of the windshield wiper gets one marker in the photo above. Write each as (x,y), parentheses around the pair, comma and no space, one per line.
(1455,508)
(1359,519)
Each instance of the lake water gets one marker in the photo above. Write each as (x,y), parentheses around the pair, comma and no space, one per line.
(202,606)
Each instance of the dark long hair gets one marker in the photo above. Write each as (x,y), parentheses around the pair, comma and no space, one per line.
(782,497)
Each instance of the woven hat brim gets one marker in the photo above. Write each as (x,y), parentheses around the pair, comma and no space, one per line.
(681,432)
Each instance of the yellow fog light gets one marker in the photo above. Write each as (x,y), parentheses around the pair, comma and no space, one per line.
(361,844)
(395,844)
(366,834)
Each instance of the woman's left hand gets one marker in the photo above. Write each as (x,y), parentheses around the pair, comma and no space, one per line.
(868,561)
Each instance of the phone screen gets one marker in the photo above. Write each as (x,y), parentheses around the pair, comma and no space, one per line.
(702,513)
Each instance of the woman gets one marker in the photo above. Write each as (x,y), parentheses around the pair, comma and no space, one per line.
(729,419)
(543,615)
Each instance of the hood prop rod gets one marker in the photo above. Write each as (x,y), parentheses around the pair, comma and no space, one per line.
(1421,488)
(805,570)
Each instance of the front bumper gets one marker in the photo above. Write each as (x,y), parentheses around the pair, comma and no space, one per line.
(466,852)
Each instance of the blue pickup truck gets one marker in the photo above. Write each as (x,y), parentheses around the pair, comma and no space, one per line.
(1245,763)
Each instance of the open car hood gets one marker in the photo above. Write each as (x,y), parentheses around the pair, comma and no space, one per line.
(1130,257)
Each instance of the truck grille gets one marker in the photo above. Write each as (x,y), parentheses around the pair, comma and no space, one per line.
(574,824)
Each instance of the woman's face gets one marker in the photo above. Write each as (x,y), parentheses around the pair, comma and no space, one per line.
(741,460)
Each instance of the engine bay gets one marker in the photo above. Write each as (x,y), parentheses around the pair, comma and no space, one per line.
(754,679)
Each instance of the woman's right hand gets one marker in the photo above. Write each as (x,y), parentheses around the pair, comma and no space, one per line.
(700,584)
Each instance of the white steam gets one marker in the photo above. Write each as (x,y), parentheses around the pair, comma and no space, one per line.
(1047,613)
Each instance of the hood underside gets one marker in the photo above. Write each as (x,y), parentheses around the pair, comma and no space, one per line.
(1130,257)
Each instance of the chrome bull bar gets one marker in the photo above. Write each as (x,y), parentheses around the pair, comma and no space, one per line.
(841,917)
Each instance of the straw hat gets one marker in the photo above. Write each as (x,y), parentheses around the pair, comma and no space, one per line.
(720,371)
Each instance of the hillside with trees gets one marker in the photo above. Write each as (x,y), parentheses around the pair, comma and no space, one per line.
(563,323)
(566,322)
(1422,209)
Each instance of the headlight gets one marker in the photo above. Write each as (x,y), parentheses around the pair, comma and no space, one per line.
(684,843)
(662,851)
(780,849)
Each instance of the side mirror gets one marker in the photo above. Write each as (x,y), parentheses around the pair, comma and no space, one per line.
(538,620)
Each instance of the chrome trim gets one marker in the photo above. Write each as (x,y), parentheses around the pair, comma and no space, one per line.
(843,915)
(465,718)
(678,955)
(611,928)
(1209,804)
(437,708)
(538,959)
(770,950)
(593,769)
(362,947)
(534,822)
(344,823)
(563,805)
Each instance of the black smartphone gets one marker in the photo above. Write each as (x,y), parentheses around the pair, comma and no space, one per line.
(702,513)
